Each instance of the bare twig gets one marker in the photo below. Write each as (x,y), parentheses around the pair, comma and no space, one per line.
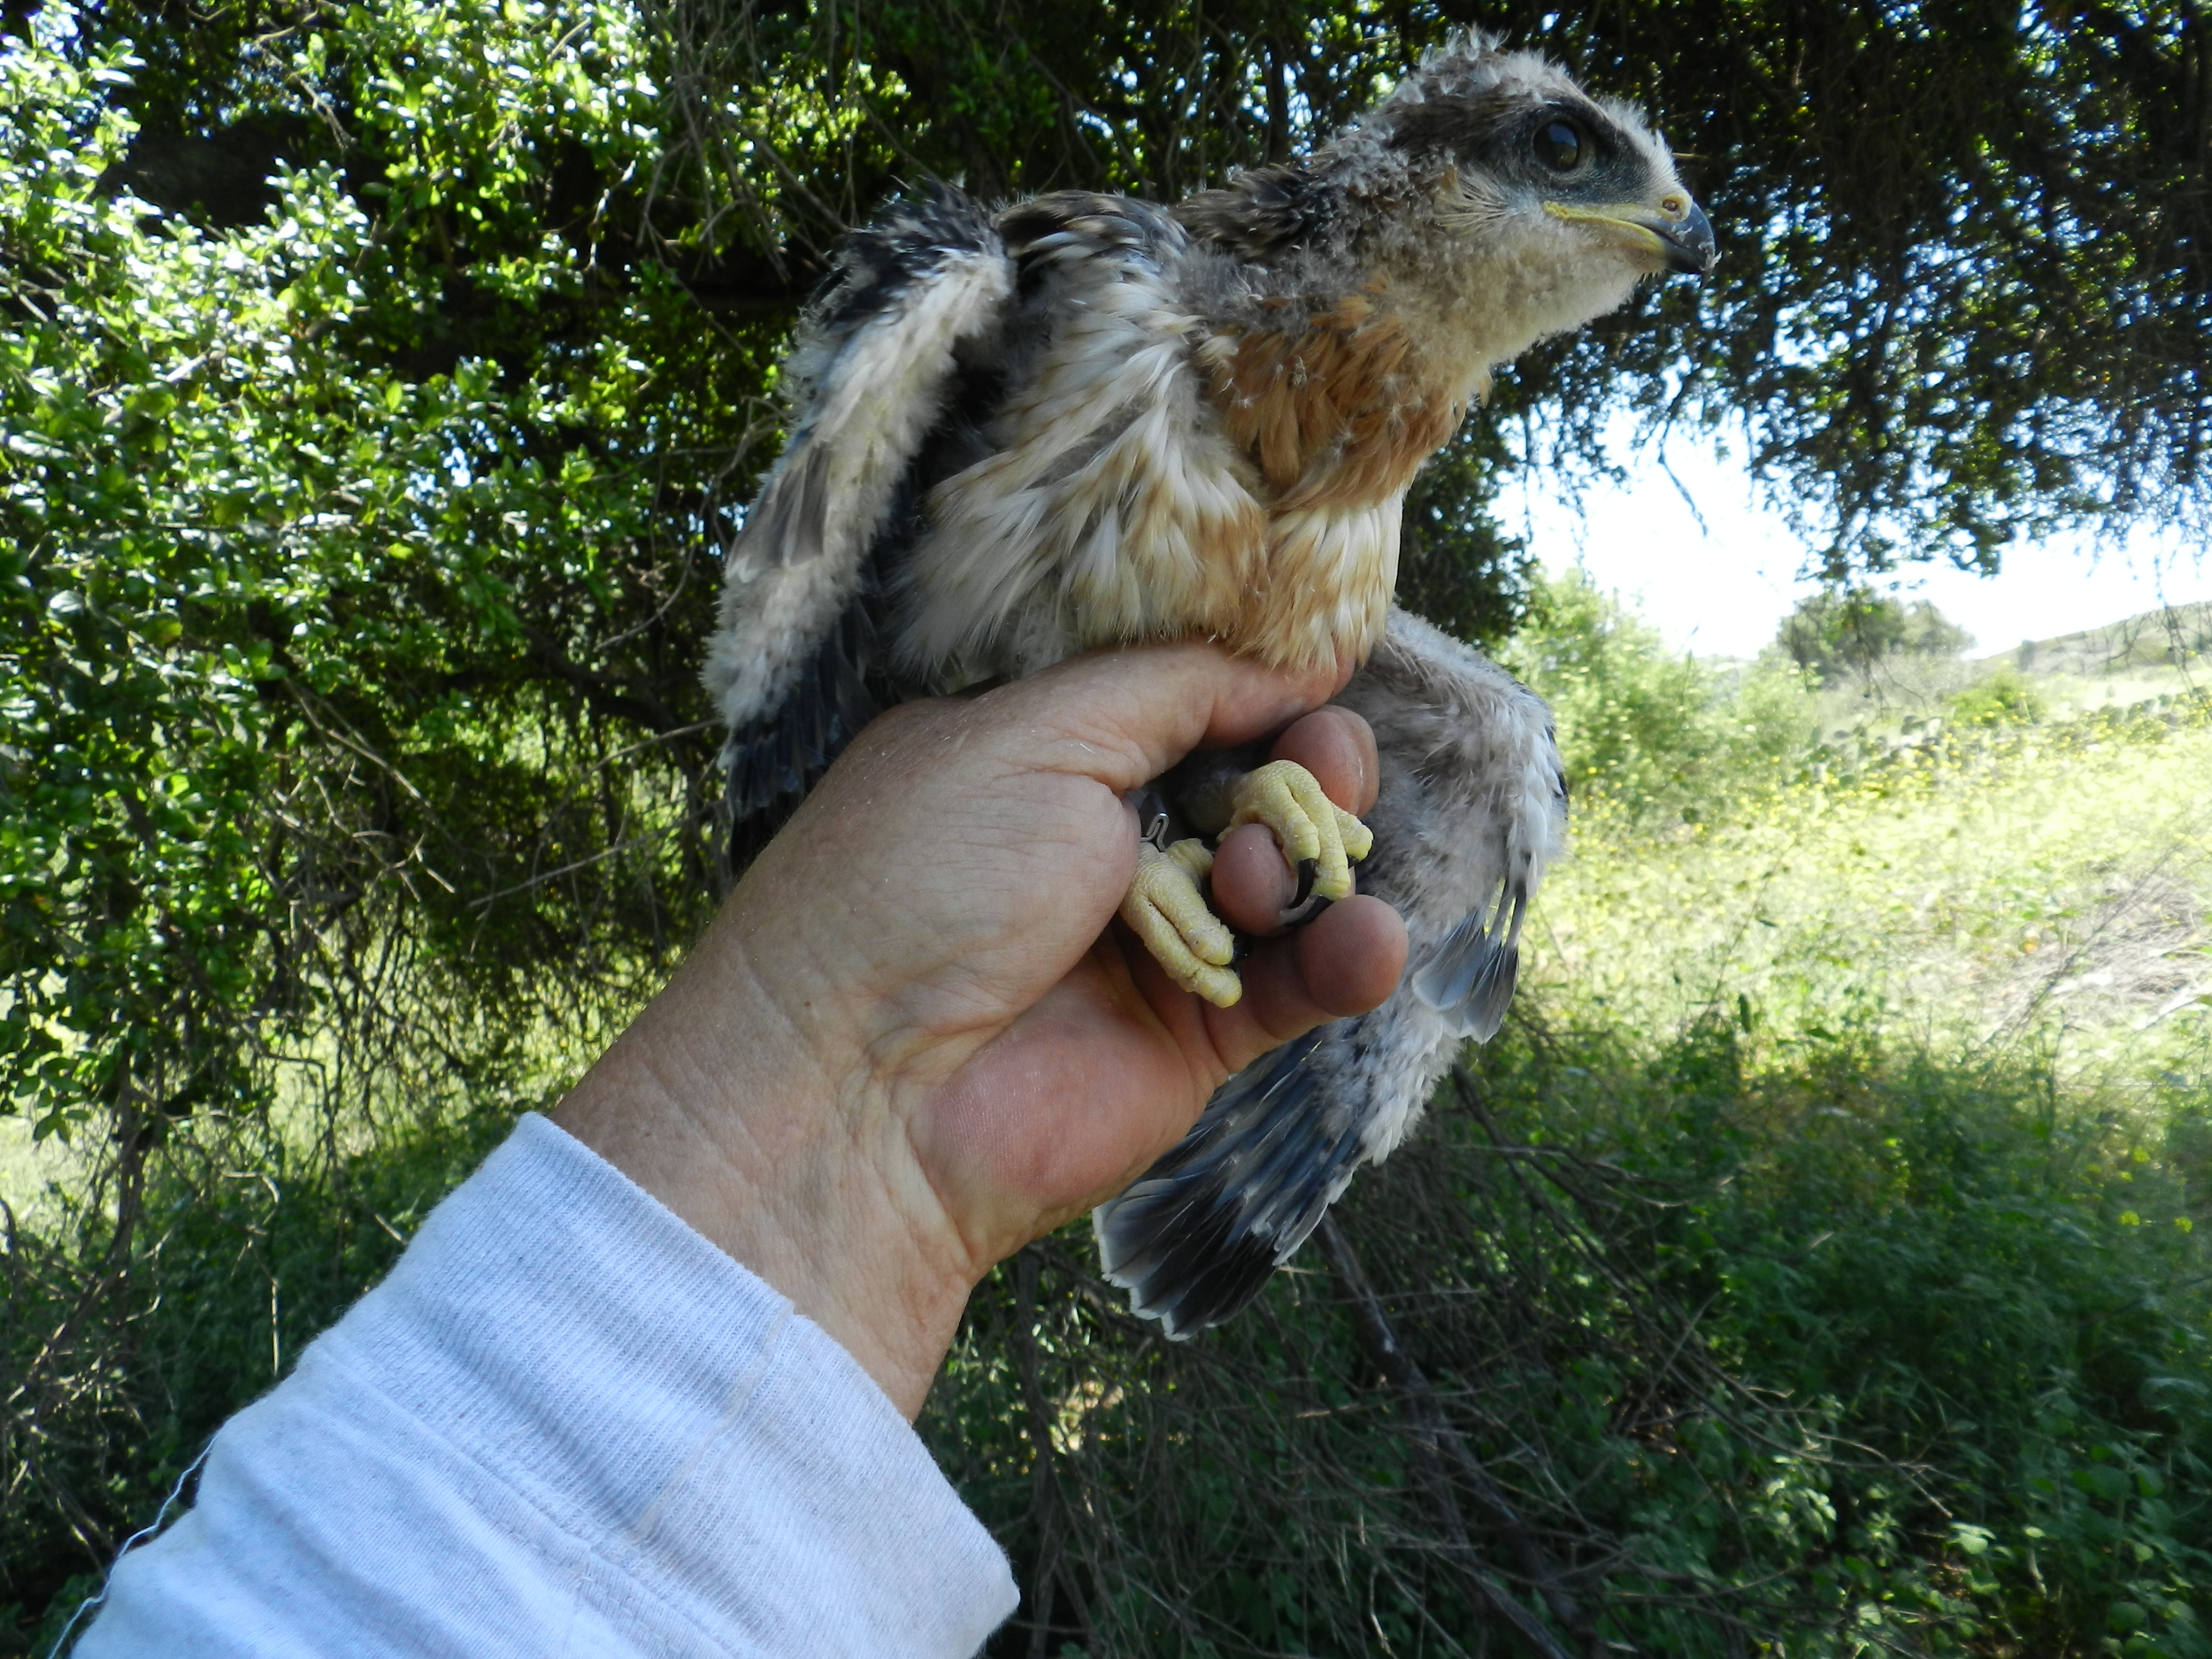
(1439,1441)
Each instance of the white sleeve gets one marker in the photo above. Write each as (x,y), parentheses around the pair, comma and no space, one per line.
(564,1424)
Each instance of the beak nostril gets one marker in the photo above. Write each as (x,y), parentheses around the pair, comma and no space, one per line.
(1671,205)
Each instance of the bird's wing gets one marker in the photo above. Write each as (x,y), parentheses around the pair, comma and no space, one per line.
(792,666)
(1259,214)
(1472,808)
(1489,817)
(1110,506)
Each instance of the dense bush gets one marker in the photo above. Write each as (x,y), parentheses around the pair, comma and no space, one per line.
(1838,634)
(1651,733)
(2002,695)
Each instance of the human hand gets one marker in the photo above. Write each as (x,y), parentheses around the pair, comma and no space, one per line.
(910,1041)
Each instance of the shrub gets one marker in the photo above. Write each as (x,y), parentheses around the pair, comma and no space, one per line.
(1649,734)
(2004,697)
(1843,634)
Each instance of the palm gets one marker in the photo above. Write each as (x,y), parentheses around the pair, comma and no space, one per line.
(1070,1061)
(911,1042)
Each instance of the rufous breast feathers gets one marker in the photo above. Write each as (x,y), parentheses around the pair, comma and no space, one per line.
(1160,475)
(1335,409)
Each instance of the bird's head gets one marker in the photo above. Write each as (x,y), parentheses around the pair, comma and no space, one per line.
(1492,174)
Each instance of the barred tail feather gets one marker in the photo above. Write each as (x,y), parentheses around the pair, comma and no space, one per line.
(1196,1238)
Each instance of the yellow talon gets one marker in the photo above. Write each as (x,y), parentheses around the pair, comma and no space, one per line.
(1309,827)
(1168,913)
(1359,840)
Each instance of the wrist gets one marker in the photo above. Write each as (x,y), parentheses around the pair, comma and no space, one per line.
(723,1102)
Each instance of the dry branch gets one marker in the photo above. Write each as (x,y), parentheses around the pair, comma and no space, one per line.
(1438,1443)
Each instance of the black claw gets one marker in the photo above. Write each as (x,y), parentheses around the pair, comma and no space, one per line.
(1153,817)
(1309,871)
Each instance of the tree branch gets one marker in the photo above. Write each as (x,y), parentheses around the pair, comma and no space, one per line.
(1439,1443)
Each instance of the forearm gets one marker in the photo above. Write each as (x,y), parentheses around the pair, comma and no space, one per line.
(566,1423)
(757,1133)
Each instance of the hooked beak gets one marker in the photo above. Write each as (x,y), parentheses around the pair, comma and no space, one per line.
(1677,231)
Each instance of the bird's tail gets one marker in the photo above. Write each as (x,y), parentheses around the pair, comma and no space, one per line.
(1197,1236)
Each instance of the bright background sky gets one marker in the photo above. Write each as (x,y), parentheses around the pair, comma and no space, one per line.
(1723,590)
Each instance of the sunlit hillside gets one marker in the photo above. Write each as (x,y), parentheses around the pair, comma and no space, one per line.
(2177,636)
(2049,883)
(2006,852)
(2162,653)
(2159,653)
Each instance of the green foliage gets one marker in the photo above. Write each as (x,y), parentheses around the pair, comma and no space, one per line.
(1835,1343)
(1649,733)
(1455,566)
(273,604)
(329,722)
(1998,1286)
(1841,633)
(2002,696)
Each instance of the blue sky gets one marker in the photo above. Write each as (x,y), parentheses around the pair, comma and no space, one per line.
(1722,589)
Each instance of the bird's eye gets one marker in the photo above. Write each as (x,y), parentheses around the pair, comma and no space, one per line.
(1559,145)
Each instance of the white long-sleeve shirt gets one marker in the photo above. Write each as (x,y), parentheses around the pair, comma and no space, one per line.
(564,1424)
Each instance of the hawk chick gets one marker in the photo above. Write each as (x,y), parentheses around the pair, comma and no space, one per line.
(1085,420)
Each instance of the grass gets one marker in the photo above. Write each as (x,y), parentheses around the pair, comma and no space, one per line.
(1816,1266)
(2039,885)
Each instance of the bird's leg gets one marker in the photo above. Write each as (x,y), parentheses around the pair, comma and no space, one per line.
(1319,837)
(1167,904)
(1168,910)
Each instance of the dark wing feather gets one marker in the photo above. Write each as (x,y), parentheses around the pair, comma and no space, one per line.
(1260,213)
(774,762)
(883,361)
(1198,1237)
